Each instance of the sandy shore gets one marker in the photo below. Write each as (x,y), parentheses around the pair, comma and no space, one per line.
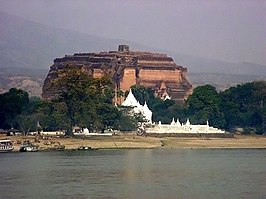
(134,141)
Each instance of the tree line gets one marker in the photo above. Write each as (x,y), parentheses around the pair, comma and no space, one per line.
(81,101)
(86,102)
(242,106)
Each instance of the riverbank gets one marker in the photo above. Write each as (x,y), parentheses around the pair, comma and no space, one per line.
(131,141)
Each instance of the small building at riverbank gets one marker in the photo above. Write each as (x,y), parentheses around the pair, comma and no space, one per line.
(52,133)
(85,132)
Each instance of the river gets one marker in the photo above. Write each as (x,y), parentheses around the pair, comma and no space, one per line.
(149,174)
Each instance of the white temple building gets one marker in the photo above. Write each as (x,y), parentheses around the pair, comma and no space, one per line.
(177,127)
(174,127)
(131,101)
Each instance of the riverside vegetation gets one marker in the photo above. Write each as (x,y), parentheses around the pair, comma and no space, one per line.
(87,102)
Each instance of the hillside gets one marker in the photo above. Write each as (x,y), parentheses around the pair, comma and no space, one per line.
(27,49)
(203,65)
(28,79)
(28,44)
(221,81)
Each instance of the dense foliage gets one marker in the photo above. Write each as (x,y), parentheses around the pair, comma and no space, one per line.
(245,106)
(82,101)
(241,106)
(86,102)
(12,104)
(205,104)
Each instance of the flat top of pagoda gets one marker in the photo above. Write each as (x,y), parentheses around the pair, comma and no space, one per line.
(112,53)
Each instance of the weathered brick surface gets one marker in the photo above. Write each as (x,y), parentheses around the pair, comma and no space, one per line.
(127,68)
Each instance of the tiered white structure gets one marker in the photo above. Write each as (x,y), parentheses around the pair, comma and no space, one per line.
(174,127)
(131,101)
(177,127)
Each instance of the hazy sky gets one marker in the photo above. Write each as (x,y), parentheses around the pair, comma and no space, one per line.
(228,30)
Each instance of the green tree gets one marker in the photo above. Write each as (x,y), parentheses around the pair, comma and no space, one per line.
(128,121)
(72,91)
(260,94)
(30,115)
(178,111)
(26,122)
(12,104)
(162,110)
(143,94)
(244,106)
(54,116)
(86,101)
(108,116)
(205,104)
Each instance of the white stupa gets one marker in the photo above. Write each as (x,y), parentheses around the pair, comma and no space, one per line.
(147,112)
(130,100)
(187,123)
(173,121)
(137,107)
(178,123)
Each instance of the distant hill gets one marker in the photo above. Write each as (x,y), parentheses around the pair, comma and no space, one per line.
(27,49)
(203,65)
(221,81)
(28,44)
